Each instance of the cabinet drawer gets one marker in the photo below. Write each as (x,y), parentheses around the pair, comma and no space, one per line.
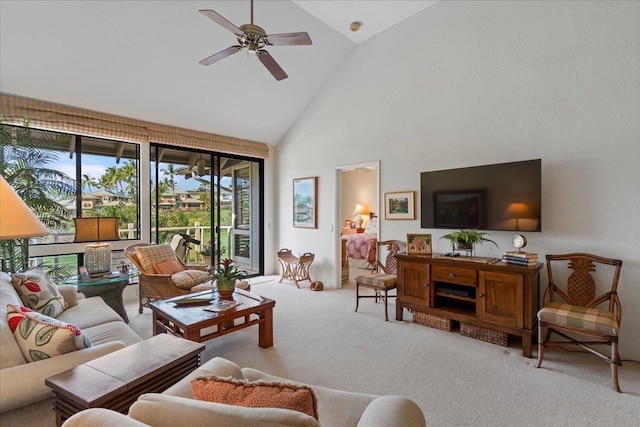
(461,276)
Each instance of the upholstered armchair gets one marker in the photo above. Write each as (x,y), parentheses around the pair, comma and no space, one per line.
(163,274)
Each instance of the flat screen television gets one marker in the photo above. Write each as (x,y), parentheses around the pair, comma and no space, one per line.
(500,197)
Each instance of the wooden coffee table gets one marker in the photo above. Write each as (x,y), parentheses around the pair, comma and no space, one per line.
(193,322)
(116,380)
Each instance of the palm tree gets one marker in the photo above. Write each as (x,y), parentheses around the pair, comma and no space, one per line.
(170,177)
(89,182)
(24,160)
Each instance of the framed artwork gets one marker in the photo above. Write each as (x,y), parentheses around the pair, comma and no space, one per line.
(400,205)
(419,244)
(458,209)
(305,202)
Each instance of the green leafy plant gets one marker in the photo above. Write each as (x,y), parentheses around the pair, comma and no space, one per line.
(207,249)
(226,271)
(467,238)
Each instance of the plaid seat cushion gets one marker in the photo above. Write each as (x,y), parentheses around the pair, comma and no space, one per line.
(379,280)
(591,319)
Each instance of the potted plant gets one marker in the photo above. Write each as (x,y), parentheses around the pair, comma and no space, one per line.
(466,239)
(206,252)
(226,275)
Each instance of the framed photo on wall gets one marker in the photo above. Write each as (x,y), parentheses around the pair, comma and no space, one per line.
(419,244)
(399,205)
(305,202)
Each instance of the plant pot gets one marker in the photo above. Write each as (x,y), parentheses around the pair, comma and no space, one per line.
(226,288)
(206,259)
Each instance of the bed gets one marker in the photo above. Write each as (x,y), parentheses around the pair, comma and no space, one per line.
(363,246)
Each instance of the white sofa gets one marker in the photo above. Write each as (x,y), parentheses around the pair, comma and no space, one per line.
(176,406)
(22,383)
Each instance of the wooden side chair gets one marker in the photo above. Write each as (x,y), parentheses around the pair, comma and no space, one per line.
(385,281)
(576,313)
(294,268)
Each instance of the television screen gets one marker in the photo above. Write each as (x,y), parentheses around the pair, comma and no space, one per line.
(501,197)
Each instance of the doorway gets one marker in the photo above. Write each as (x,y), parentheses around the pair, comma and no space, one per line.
(357,184)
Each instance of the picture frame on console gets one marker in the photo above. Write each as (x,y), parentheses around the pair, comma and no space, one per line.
(399,205)
(305,202)
(419,244)
(458,209)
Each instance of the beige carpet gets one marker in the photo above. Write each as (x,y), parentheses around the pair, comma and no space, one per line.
(456,380)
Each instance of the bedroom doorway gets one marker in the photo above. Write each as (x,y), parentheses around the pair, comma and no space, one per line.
(357,184)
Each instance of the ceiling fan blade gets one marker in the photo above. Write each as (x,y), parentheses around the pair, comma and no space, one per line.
(288,39)
(215,17)
(221,55)
(271,64)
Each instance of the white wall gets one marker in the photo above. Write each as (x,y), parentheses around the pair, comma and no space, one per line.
(472,83)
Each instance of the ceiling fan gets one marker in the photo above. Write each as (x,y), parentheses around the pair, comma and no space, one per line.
(254,39)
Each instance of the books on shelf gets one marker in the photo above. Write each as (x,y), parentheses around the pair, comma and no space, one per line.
(520,258)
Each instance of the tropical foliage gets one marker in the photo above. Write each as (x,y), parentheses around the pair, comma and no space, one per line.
(227,271)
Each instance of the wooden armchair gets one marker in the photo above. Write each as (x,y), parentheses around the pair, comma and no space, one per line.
(175,278)
(382,283)
(571,312)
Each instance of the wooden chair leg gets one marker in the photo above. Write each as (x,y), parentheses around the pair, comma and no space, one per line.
(615,361)
(541,342)
(357,295)
(386,312)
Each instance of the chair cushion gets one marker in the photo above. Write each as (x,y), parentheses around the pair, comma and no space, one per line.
(41,337)
(169,266)
(591,319)
(38,292)
(149,256)
(255,394)
(187,279)
(383,281)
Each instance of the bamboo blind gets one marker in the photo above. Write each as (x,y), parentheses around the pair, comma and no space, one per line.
(62,118)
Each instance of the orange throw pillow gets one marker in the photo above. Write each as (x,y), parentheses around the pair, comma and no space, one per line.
(255,394)
(168,267)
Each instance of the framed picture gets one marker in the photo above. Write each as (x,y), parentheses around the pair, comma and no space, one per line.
(400,205)
(419,244)
(458,209)
(305,202)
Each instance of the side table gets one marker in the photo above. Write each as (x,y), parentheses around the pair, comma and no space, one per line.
(116,380)
(109,287)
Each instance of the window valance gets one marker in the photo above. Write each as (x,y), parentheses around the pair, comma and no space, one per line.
(62,118)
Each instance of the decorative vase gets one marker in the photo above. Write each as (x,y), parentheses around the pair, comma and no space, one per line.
(226,288)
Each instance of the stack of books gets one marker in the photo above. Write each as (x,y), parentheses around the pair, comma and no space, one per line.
(520,258)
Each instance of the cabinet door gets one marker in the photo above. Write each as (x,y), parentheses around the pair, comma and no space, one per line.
(500,298)
(413,278)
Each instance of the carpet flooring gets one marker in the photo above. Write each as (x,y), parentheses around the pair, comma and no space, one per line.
(456,380)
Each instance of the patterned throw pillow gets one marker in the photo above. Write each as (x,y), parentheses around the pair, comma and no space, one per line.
(255,394)
(187,279)
(153,254)
(41,337)
(38,292)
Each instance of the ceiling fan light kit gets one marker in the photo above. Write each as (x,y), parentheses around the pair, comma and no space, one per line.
(254,39)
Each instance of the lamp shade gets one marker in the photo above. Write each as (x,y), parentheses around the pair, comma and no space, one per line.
(517,210)
(17,220)
(361,209)
(96,229)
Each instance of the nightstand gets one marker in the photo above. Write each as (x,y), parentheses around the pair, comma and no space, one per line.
(352,231)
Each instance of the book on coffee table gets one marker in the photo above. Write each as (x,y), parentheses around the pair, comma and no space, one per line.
(222,305)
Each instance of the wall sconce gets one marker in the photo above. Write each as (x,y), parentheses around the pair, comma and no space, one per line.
(361,209)
(97,256)
(517,210)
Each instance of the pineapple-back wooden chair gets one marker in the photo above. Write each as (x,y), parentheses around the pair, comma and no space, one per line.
(572,312)
(386,280)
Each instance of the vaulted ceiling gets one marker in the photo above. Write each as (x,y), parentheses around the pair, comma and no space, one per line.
(139,59)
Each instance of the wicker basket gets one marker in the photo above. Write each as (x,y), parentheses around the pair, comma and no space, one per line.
(484,334)
(432,321)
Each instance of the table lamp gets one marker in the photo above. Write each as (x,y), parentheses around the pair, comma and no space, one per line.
(360,210)
(97,256)
(517,210)
(17,220)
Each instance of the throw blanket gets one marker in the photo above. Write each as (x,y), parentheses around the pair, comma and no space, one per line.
(362,246)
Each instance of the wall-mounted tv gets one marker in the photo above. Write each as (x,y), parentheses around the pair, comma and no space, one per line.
(501,197)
